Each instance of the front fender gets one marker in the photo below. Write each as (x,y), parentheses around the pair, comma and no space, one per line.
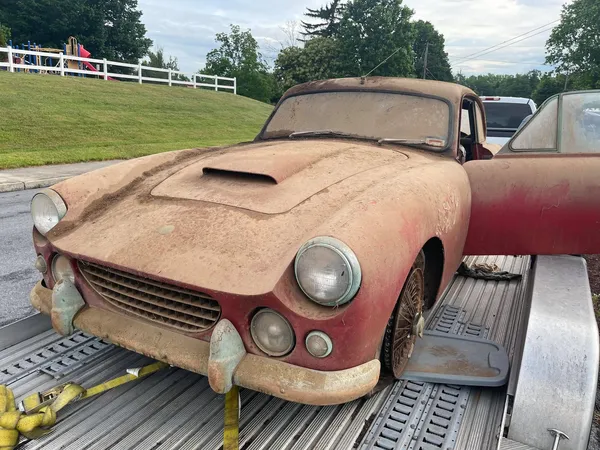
(386,226)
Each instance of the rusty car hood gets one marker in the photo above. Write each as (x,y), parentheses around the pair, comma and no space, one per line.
(229,219)
(275,178)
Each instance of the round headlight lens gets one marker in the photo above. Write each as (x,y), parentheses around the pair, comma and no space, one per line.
(61,269)
(47,209)
(272,333)
(327,271)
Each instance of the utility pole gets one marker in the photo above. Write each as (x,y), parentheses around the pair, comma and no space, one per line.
(425,61)
(566,81)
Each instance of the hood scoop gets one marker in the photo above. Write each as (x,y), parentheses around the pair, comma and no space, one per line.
(233,176)
(265,165)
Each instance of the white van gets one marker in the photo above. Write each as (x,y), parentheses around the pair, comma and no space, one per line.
(504,115)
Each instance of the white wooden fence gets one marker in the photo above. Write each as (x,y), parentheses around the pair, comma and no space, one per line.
(102,70)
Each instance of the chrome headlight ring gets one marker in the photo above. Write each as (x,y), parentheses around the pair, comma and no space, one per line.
(47,209)
(348,270)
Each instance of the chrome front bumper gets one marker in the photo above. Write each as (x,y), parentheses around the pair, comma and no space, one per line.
(224,360)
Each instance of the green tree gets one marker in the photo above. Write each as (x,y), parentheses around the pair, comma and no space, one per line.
(4,38)
(574,45)
(371,31)
(548,86)
(427,37)
(238,56)
(157,59)
(328,17)
(125,36)
(4,35)
(110,29)
(488,84)
(519,85)
(318,60)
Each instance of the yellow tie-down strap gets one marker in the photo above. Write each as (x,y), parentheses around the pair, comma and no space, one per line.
(40,408)
(232,418)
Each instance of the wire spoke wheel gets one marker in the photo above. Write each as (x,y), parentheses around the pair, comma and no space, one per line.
(405,324)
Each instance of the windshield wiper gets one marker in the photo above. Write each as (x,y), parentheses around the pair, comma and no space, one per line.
(440,143)
(318,133)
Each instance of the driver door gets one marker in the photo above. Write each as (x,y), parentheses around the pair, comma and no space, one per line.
(540,194)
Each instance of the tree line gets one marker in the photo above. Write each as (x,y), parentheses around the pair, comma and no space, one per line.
(379,37)
(342,38)
(347,39)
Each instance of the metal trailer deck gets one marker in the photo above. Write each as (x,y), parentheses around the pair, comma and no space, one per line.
(176,409)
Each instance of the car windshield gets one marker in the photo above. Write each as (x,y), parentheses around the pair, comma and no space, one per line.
(413,119)
(500,115)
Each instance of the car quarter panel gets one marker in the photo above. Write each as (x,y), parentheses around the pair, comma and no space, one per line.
(535,204)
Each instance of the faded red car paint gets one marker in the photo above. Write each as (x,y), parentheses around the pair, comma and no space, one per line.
(195,218)
(553,209)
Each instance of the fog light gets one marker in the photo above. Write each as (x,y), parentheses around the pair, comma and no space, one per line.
(40,264)
(318,344)
(272,333)
(61,269)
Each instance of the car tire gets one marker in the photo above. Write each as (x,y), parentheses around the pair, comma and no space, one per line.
(400,335)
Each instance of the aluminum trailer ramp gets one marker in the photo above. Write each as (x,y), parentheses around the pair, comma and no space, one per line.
(176,409)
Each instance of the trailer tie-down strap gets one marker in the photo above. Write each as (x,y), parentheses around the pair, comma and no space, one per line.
(486,272)
(37,412)
(232,418)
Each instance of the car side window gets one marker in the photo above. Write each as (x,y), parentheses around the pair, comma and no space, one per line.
(540,133)
(580,123)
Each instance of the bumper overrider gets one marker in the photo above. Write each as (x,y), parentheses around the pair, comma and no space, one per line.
(224,360)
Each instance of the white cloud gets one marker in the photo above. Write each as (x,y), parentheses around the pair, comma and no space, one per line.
(470,26)
(186,28)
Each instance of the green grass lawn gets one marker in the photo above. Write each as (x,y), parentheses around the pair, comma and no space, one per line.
(46,119)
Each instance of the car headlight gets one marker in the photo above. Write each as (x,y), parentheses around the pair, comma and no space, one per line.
(327,271)
(62,269)
(272,333)
(47,209)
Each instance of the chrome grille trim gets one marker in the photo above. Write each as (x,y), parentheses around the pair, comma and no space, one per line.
(182,309)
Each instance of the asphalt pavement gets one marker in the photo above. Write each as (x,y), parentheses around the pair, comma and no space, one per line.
(17,256)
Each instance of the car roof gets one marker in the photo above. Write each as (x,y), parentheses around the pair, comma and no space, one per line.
(451,91)
(495,98)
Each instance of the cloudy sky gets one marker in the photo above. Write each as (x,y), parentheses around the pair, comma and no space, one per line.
(186,28)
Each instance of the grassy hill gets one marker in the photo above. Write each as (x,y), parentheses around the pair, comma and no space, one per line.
(46,119)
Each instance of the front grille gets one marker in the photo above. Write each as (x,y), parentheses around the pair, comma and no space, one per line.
(183,309)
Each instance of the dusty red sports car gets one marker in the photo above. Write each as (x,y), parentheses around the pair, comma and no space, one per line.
(300,264)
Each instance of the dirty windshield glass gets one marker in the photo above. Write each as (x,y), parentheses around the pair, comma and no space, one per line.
(371,115)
